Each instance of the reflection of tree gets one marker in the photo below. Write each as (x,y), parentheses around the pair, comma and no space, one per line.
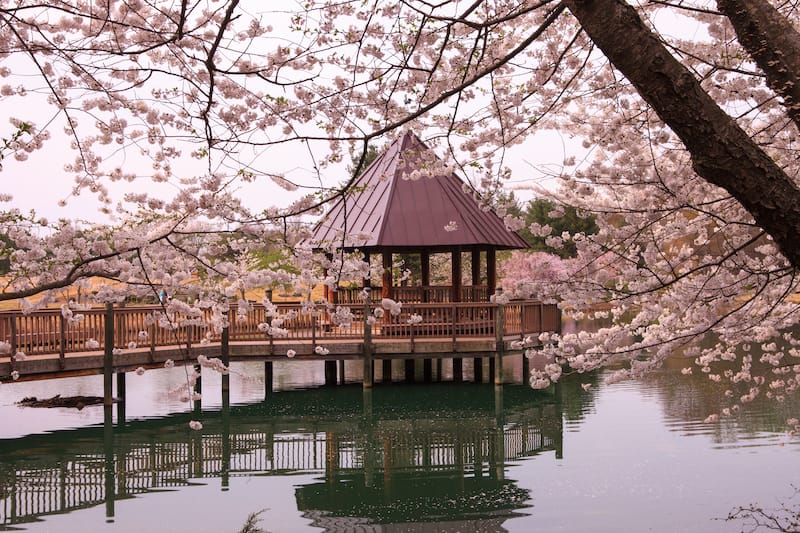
(784,518)
(576,402)
(689,399)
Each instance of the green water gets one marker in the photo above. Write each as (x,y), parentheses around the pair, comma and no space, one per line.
(634,456)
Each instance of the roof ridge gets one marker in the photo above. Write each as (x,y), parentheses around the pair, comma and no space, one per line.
(393,184)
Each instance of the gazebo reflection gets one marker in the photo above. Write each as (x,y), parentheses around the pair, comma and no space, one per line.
(435,474)
(383,456)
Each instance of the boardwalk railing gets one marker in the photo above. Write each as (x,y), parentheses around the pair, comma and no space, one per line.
(48,332)
(417,294)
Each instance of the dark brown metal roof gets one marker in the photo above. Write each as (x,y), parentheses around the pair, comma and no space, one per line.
(389,209)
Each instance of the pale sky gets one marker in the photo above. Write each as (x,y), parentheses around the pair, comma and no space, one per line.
(40,182)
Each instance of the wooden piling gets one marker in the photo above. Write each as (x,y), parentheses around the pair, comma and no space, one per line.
(386,371)
(330,372)
(121,393)
(225,353)
(458,369)
(500,344)
(367,346)
(108,357)
(526,366)
(477,369)
(268,378)
(410,370)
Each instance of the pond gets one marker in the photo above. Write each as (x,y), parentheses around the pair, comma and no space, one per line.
(633,456)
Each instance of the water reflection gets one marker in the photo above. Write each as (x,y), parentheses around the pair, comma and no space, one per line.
(443,457)
(426,454)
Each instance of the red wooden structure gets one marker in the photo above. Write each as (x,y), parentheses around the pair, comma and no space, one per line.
(407,201)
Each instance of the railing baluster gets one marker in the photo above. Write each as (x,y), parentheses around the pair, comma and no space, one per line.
(62,345)
(13,340)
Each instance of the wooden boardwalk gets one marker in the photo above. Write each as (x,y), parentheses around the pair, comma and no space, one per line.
(54,346)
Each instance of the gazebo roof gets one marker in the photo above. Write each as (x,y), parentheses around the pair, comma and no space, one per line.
(407,199)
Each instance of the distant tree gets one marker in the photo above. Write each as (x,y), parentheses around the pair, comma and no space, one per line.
(6,247)
(560,218)
(362,160)
(533,274)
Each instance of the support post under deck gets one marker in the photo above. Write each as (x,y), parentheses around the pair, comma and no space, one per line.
(458,369)
(121,398)
(267,379)
(369,370)
(411,368)
(330,372)
(477,369)
(108,357)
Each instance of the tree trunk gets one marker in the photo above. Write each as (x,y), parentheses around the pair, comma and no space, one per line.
(722,153)
(774,45)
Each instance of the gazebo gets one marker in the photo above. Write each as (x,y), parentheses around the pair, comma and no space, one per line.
(408,202)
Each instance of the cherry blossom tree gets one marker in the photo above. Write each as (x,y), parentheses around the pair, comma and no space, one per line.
(686,151)
(536,275)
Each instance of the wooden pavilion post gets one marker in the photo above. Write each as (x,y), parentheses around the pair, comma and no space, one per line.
(455,274)
(476,272)
(425,264)
(491,270)
(386,281)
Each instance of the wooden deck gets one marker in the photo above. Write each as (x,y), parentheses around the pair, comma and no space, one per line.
(54,346)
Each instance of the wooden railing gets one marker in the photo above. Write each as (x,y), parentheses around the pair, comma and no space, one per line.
(417,294)
(48,332)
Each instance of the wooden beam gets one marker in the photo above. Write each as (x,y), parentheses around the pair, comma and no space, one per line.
(491,270)
(425,263)
(386,282)
(455,263)
(476,267)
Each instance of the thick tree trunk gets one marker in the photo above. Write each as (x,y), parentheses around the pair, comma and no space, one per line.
(722,153)
(773,43)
